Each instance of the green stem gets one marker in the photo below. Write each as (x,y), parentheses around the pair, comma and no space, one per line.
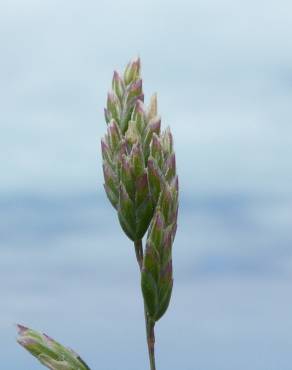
(148,323)
(150,341)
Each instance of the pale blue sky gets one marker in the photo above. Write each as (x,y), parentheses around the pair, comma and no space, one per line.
(223,74)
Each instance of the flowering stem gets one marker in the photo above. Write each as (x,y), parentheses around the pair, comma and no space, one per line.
(148,323)
(150,341)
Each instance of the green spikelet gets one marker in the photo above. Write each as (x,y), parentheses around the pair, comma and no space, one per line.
(49,352)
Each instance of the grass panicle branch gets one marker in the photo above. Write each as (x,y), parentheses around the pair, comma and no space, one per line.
(141,183)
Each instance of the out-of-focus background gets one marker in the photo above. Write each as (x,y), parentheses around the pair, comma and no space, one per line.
(223,73)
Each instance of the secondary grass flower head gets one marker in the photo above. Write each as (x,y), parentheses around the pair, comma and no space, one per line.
(49,352)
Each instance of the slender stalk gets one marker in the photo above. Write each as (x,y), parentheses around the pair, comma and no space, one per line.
(148,323)
(150,341)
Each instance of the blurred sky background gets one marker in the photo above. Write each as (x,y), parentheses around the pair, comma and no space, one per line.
(223,73)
